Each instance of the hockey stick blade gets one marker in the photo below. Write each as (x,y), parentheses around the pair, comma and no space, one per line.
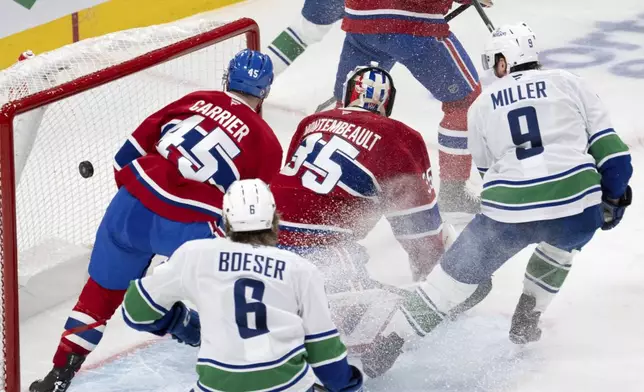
(483,15)
(448,18)
(319,388)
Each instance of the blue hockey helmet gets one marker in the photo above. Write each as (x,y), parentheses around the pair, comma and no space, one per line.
(250,72)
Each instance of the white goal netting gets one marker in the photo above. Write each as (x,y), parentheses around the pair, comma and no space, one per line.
(52,199)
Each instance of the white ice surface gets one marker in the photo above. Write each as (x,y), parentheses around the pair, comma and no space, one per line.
(592,338)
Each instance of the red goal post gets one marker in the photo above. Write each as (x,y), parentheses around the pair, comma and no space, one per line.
(9,243)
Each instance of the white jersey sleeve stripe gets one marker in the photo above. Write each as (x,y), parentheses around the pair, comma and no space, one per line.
(599,135)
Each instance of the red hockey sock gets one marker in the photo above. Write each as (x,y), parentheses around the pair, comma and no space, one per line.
(86,323)
(454,159)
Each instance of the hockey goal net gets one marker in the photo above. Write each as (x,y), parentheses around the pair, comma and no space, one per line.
(79,103)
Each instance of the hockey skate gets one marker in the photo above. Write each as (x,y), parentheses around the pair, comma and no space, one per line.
(455,197)
(59,379)
(382,355)
(525,321)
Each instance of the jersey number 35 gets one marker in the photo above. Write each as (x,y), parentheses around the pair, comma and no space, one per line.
(330,164)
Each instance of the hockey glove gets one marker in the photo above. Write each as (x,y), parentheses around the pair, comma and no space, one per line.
(614,210)
(355,384)
(185,326)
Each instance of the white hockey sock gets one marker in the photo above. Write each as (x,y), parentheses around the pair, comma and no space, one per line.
(444,291)
(433,299)
(545,274)
(293,41)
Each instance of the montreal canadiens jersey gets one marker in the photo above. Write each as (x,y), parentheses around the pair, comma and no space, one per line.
(545,146)
(180,160)
(345,169)
(413,17)
(265,319)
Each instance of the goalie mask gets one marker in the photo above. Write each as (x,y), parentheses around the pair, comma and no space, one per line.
(370,88)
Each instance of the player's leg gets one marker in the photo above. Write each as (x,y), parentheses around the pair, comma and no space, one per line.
(128,237)
(548,268)
(359,50)
(444,68)
(113,264)
(468,263)
(317,18)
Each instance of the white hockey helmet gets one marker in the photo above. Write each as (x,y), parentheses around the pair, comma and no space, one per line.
(517,43)
(249,206)
(370,88)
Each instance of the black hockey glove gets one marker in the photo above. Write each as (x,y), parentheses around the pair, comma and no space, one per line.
(613,212)
(185,326)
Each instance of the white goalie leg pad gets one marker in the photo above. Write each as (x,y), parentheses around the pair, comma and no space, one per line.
(546,271)
(442,292)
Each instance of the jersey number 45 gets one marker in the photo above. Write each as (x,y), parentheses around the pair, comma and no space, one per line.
(331,164)
(201,155)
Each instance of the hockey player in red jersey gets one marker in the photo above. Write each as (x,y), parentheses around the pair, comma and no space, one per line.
(415,34)
(345,169)
(172,173)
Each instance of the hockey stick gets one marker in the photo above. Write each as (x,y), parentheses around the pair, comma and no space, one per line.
(324,104)
(483,15)
(456,12)
(448,18)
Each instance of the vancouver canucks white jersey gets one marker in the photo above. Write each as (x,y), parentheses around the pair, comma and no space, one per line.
(538,138)
(265,320)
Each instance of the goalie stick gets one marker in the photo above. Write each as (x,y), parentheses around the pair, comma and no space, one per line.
(448,18)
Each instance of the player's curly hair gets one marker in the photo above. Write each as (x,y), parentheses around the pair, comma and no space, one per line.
(259,237)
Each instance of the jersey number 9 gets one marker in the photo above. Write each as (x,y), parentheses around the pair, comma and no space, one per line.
(528,143)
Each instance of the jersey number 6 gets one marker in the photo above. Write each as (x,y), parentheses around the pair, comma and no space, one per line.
(532,138)
(244,309)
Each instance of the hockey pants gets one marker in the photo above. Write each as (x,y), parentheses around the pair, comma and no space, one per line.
(442,66)
(485,245)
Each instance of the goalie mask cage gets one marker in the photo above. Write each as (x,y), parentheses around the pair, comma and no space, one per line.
(79,103)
